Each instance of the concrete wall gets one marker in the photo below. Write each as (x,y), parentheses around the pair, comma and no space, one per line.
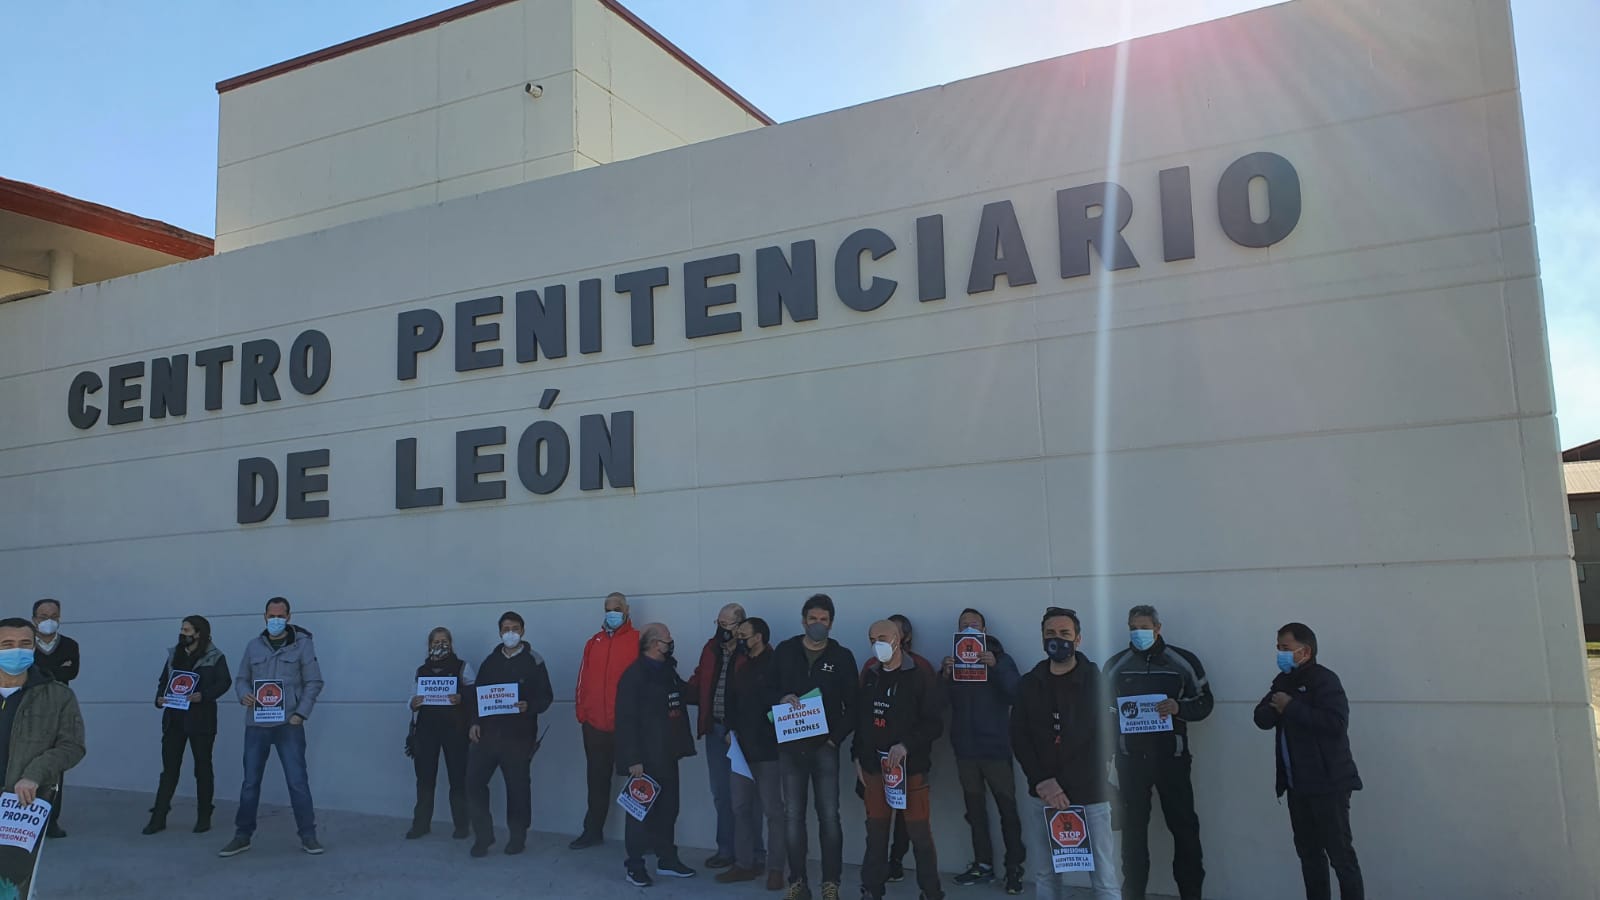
(1352,427)
(443,113)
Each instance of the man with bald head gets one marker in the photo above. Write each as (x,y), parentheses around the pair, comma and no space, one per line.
(652,735)
(605,657)
(709,689)
(899,715)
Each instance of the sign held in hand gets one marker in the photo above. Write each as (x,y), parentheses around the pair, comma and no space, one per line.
(269,702)
(1069,839)
(969,650)
(497,699)
(180,689)
(638,795)
(436,691)
(1137,714)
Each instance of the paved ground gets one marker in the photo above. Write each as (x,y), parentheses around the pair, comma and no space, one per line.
(105,856)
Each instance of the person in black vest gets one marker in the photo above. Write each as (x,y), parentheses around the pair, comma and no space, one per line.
(195,726)
(57,655)
(506,741)
(1311,715)
(442,729)
(652,735)
(1160,759)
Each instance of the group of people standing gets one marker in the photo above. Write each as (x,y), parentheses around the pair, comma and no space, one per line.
(1057,722)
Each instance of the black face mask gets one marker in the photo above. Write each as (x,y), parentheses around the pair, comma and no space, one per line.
(669,646)
(724,634)
(1058,650)
(187,640)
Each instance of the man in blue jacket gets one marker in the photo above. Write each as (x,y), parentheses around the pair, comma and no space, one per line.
(1311,715)
(980,734)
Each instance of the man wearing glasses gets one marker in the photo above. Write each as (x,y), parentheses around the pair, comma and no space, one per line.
(1060,733)
(708,688)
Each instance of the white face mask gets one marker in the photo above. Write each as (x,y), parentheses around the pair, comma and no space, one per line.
(48,627)
(884,650)
(510,638)
(972,629)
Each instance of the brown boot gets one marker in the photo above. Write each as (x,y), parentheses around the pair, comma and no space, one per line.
(776,881)
(737,874)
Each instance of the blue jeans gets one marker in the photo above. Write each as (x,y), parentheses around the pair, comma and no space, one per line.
(815,767)
(290,741)
(720,770)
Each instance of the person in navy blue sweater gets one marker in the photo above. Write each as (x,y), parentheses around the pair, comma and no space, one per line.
(1307,709)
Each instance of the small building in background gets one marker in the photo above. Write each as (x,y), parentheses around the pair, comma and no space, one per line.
(1581,466)
(51,242)
(481,96)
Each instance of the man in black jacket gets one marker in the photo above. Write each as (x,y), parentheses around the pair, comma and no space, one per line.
(506,741)
(1158,759)
(980,735)
(803,663)
(1311,715)
(58,656)
(1060,733)
(898,717)
(652,735)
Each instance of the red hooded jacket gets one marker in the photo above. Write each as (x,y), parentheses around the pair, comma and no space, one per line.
(605,658)
(703,683)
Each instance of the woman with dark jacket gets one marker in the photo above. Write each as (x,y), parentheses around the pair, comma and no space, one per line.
(195,726)
(442,729)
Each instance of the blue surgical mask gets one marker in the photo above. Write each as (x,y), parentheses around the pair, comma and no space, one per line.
(1285,661)
(16,660)
(613,620)
(276,625)
(1141,638)
(1058,650)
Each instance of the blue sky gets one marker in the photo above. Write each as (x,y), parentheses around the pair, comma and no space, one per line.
(115,101)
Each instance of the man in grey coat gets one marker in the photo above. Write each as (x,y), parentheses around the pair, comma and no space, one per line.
(277,682)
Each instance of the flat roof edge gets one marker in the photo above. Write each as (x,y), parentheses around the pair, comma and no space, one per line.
(466,9)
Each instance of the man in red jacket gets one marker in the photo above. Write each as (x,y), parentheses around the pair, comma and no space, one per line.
(607,655)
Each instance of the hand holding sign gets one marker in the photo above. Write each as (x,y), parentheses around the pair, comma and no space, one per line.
(181,687)
(1069,839)
(970,649)
(269,702)
(639,794)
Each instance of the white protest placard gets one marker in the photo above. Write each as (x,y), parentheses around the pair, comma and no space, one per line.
(792,724)
(1137,714)
(20,825)
(736,759)
(894,781)
(497,699)
(968,653)
(436,691)
(180,686)
(269,702)
(638,795)
(1069,839)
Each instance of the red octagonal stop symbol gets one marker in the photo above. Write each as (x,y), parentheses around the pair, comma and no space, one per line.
(1067,829)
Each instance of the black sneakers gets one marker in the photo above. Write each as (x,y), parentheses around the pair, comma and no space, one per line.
(311,846)
(897,871)
(585,841)
(516,843)
(977,873)
(637,876)
(1014,881)
(674,869)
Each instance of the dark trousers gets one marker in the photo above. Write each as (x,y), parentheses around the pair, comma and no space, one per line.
(205,782)
(600,748)
(1321,825)
(815,769)
(876,869)
(900,840)
(512,757)
(1169,776)
(997,775)
(656,833)
(449,739)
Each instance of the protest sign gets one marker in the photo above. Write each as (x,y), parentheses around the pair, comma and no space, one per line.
(20,827)
(436,691)
(180,686)
(970,647)
(736,759)
(1137,714)
(810,720)
(894,781)
(497,699)
(1069,839)
(638,795)
(269,702)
